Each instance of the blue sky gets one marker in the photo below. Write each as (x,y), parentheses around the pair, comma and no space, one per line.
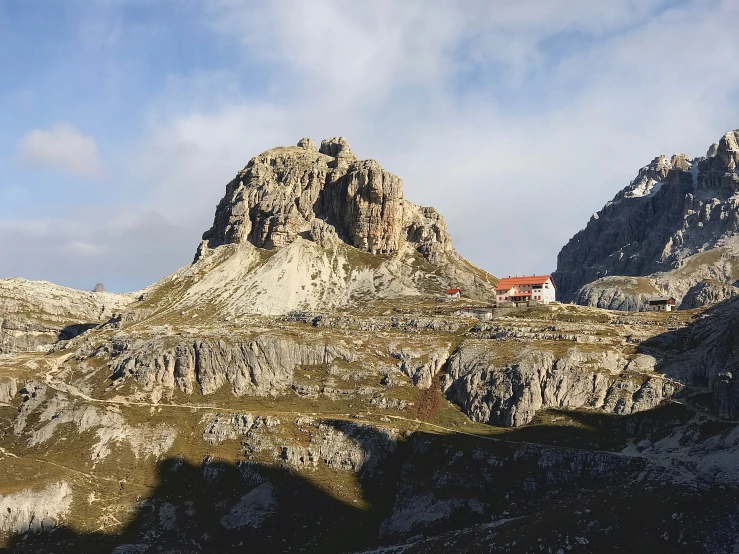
(121,121)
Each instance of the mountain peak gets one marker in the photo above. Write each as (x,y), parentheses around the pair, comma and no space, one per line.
(308,227)
(278,195)
(675,225)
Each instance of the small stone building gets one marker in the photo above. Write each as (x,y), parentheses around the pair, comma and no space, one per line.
(662,304)
(453,293)
(478,312)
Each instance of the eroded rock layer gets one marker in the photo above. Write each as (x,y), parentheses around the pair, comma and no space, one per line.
(676,222)
(280,193)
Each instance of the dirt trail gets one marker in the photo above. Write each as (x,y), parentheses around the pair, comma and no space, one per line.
(88,476)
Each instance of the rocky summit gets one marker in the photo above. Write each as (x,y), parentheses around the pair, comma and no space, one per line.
(306,385)
(303,227)
(326,195)
(674,226)
(282,192)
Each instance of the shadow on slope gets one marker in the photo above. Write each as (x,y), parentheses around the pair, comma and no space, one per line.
(473,493)
(704,356)
(249,506)
(75,330)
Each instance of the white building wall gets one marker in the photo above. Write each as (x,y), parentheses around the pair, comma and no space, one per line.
(545,294)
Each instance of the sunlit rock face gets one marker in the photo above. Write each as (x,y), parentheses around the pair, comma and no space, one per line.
(281,192)
(676,222)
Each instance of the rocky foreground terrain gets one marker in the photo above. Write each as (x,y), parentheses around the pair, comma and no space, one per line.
(302,387)
(672,231)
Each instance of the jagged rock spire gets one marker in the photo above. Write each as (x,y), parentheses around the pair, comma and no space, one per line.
(280,193)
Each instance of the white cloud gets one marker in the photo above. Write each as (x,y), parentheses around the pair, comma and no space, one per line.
(471,103)
(356,53)
(63,148)
(125,249)
(514,179)
(82,248)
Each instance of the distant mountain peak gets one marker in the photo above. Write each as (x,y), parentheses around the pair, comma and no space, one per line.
(676,223)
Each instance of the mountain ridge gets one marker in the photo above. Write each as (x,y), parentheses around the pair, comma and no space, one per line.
(675,225)
(301,386)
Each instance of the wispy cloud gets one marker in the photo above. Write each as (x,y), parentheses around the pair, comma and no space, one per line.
(61,147)
(516,120)
(125,249)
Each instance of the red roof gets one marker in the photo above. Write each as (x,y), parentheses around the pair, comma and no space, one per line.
(508,283)
(453,291)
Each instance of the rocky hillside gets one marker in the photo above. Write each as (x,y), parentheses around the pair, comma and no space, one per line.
(376,429)
(674,225)
(306,227)
(706,293)
(35,315)
(301,387)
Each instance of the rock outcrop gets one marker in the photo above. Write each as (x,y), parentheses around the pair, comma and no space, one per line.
(707,293)
(512,394)
(35,510)
(261,367)
(282,191)
(252,509)
(8,389)
(677,223)
(725,395)
(323,234)
(344,447)
(630,294)
(287,191)
(109,428)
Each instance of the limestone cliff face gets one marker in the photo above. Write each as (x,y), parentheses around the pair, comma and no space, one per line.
(677,222)
(281,192)
(511,394)
(259,367)
(706,293)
